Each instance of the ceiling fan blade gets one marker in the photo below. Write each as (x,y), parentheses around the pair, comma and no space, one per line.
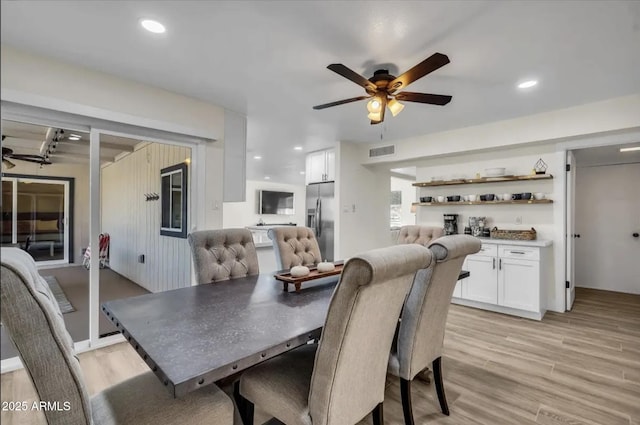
(433,99)
(29,158)
(349,74)
(433,62)
(340,102)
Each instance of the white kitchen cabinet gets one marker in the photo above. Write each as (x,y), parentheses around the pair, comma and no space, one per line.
(320,166)
(506,278)
(481,285)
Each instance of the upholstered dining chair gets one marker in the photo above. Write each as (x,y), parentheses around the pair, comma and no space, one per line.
(294,246)
(33,320)
(424,316)
(418,234)
(342,379)
(223,254)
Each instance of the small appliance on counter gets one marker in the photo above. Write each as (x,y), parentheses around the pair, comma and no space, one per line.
(450,224)
(477,226)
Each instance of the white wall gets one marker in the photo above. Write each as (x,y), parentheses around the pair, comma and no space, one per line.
(593,118)
(607,213)
(134,223)
(63,87)
(80,174)
(363,204)
(242,214)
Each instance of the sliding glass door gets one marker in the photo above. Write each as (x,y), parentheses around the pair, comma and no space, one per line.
(35,217)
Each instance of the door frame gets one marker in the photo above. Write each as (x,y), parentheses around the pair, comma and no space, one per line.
(561,215)
(570,225)
(69,197)
(136,128)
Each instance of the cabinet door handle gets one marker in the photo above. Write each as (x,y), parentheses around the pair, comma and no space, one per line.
(518,252)
(494,264)
(500,264)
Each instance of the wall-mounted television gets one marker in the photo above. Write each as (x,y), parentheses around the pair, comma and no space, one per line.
(272,202)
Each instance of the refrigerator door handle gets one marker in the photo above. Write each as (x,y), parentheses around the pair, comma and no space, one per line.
(319,218)
(315,217)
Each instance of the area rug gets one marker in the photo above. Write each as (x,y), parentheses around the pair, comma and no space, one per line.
(58,293)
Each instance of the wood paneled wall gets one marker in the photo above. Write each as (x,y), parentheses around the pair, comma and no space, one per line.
(134,223)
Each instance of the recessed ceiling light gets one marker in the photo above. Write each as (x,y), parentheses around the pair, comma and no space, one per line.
(152,26)
(527,84)
(297,148)
(257,157)
(634,148)
(302,173)
(267,178)
(74,138)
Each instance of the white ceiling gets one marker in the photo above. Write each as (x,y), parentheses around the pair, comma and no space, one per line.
(268,59)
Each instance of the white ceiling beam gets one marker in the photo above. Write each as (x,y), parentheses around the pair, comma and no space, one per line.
(103,145)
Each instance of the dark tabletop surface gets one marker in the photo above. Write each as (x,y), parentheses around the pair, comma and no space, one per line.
(194,336)
(197,335)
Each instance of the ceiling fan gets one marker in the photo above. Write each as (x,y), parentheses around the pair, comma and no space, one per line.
(7,154)
(382,87)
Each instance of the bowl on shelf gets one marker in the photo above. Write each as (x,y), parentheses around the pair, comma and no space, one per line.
(494,172)
(426,198)
(538,196)
(526,195)
(483,197)
(453,198)
(472,198)
(489,197)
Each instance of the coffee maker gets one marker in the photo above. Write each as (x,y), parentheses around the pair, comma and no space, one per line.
(451,224)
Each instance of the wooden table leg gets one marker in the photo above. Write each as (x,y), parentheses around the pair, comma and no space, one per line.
(298,285)
(285,286)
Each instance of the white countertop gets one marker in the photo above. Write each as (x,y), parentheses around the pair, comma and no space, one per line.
(537,242)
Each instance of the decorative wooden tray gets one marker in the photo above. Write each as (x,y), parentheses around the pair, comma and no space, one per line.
(285,276)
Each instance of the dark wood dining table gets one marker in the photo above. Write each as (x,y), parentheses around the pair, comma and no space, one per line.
(194,336)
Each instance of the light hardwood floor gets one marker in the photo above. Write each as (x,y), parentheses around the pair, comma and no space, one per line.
(581,367)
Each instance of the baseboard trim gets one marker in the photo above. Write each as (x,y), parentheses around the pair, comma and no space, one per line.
(500,309)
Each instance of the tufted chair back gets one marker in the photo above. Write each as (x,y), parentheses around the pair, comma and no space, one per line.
(223,254)
(422,235)
(294,246)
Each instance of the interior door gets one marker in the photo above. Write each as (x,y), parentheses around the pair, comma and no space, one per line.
(570,269)
(607,217)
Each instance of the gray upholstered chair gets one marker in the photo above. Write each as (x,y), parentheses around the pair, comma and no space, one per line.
(32,318)
(424,316)
(422,235)
(223,254)
(341,379)
(294,246)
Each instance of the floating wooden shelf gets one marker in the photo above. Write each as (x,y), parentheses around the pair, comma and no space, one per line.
(484,180)
(447,204)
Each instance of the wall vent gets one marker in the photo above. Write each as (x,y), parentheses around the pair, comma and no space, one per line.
(382,151)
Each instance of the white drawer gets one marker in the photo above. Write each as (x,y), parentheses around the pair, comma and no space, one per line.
(488,250)
(519,252)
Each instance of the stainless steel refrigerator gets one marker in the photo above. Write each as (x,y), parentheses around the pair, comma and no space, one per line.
(321,215)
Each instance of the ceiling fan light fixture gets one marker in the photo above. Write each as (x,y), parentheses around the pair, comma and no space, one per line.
(374,106)
(395,107)
(375,116)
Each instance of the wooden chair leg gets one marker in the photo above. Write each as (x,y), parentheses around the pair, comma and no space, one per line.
(378,415)
(405,392)
(437,378)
